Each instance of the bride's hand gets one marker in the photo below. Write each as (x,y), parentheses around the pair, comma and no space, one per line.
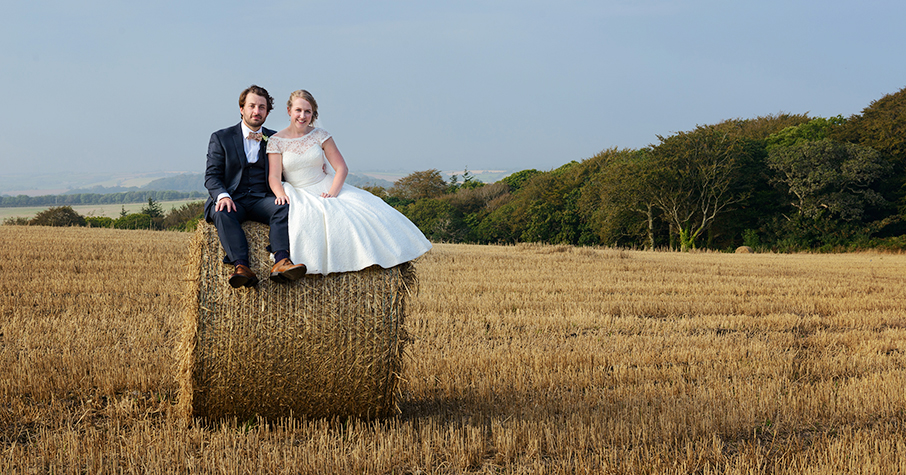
(282,200)
(327,195)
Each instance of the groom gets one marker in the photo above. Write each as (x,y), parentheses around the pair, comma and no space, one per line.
(236,179)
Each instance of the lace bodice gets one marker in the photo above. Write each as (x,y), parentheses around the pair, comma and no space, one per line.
(303,157)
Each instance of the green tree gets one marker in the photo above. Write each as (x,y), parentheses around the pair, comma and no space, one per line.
(471,205)
(375,190)
(16,221)
(546,208)
(133,221)
(695,175)
(434,217)
(497,225)
(760,127)
(153,209)
(618,201)
(815,129)
(418,185)
(99,222)
(184,218)
(831,176)
(881,126)
(468,181)
(59,216)
(516,180)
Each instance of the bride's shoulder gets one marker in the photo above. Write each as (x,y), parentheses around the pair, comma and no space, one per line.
(275,143)
(320,134)
(280,135)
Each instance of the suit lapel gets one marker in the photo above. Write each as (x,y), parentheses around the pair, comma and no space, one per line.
(239,146)
(262,148)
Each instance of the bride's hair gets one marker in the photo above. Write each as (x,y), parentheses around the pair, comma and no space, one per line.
(303,94)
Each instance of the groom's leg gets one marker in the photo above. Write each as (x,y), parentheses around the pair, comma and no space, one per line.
(275,216)
(266,211)
(232,237)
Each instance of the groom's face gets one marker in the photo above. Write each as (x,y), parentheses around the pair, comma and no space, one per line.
(254,111)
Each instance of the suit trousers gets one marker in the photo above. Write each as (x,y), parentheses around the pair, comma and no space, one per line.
(251,208)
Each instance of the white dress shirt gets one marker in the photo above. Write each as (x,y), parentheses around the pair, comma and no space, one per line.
(251,146)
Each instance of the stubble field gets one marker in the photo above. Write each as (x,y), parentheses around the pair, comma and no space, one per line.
(524,359)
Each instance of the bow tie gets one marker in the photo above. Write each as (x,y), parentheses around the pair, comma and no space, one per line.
(256,136)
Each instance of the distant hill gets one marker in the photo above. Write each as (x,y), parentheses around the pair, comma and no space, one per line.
(186,182)
(359,181)
(190,182)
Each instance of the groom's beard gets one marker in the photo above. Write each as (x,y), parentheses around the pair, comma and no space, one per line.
(254,121)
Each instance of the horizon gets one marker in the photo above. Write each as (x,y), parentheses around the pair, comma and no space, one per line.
(137,180)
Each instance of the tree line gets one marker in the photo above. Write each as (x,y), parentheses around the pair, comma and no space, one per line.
(151,217)
(99,198)
(783,182)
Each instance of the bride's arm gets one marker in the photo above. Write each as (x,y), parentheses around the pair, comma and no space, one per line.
(335,158)
(275,176)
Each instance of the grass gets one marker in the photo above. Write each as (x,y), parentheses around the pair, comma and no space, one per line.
(525,359)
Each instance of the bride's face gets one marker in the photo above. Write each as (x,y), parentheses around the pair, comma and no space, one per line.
(300,113)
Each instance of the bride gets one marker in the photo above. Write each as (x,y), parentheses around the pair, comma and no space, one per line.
(333,227)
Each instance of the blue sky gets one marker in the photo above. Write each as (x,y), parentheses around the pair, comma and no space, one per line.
(103,86)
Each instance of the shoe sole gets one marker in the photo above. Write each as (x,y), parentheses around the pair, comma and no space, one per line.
(292,274)
(242,281)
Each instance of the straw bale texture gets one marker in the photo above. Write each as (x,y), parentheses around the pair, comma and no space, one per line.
(319,347)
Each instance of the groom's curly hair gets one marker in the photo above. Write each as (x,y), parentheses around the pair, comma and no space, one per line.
(258,91)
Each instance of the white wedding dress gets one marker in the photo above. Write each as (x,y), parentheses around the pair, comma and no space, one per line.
(347,233)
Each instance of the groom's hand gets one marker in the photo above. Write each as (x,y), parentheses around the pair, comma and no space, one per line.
(225,204)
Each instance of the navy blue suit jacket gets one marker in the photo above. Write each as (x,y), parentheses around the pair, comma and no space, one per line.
(226,160)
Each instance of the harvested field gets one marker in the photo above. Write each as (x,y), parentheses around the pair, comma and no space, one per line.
(524,359)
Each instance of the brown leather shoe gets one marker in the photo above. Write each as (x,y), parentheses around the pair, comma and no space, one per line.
(243,277)
(285,270)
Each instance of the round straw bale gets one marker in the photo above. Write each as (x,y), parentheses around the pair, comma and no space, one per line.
(321,346)
(744,250)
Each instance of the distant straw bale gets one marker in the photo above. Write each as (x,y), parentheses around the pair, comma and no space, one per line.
(744,250)
(319,347)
